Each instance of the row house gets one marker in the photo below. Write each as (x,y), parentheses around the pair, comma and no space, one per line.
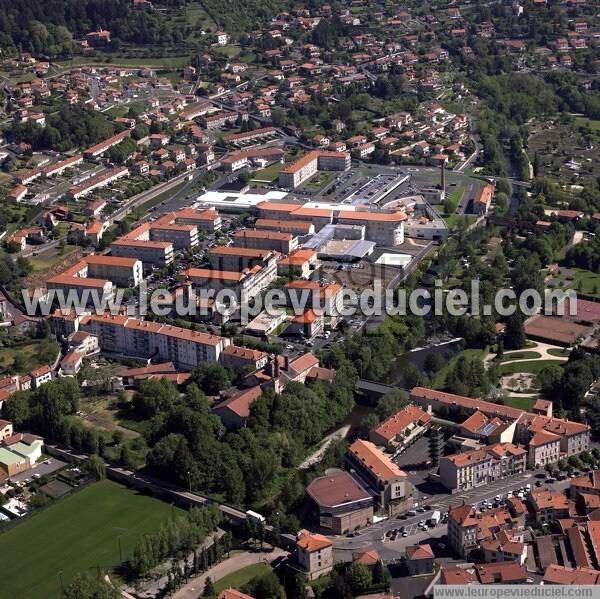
(480,467)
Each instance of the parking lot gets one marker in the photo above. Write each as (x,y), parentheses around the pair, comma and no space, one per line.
(46,467)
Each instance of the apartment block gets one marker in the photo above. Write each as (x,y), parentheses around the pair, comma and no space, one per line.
(300,263)
(324,300)
(467,527)
(138,338)
(378,474)
(122,272)
(283,243)
(464,471)
(173,231)
(550,505)
(101,180)
(401,429)
(99,149)
(244,284)
(98,273)
(237,259)
(574,436)
(307,166)
(543,449)
(285,226)
(383,228)
(159,253)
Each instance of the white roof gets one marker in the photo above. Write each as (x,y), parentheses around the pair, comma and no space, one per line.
(232,200)
(390,259)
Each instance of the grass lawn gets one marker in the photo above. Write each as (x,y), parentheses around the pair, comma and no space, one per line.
(587,282)
(593,124)
(228,51)
(559,352)
(523,403)
(52,257)
(31,356)
(531,366)
(269,174)
(166,62)
(241,577)
(455,219)
(521,355)
(455,197)
(75,535)
(320,180)
(440,376)
(161,197)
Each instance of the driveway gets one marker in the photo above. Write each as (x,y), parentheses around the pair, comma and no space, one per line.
(195,587)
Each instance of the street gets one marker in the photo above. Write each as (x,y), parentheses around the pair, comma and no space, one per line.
(435,497)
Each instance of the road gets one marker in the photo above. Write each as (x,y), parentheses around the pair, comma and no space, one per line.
(177,201)
(195,587)
(371,537)
(435,496)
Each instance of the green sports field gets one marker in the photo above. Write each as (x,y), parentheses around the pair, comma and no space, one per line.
(77,534)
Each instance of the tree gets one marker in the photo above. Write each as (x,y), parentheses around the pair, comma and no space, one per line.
(17,410)
(367,424)
(154,396)
(87,586)
(359,578)
(412,376)
(38,500)
(514,336)
(549,379)
(209,588)
(391,403)
(211,378)
(266,587)
(95,467)
(381,575)
(125,457)
(434,362)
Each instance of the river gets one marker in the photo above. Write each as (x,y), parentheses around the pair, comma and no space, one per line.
(417,357)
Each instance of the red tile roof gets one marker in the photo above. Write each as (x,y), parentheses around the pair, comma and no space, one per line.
(400,421)
(374,460)
(312,541)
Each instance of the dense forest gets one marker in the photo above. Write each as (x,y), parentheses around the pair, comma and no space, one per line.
(70,127)
(47,27)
